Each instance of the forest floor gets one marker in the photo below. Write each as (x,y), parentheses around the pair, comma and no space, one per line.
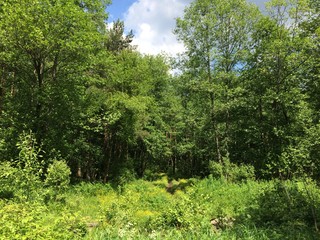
(189,209)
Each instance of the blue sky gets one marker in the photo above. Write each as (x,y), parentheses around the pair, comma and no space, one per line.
(152,22)
(118,8)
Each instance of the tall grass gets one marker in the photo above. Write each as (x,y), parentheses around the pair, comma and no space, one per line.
(148,210)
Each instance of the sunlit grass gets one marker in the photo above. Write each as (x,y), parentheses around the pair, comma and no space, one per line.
(146,210)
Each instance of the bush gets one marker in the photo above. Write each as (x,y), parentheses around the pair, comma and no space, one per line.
(177,216)
(287,203)
(24,179)
(58,176)
(29,168)
(230,171)
(7,180)
(124,176)
(35,221)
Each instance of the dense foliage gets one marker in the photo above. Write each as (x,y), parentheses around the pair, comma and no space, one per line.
(79,102)
(247,92)
(245,81)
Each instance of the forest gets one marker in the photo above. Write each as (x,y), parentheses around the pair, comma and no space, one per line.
(100,141)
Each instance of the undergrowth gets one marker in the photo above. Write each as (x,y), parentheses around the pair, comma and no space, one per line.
(195,209)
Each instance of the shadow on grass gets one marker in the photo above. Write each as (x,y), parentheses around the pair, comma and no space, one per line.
(284,210)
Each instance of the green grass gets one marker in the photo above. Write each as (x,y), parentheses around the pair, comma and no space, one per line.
(145,210)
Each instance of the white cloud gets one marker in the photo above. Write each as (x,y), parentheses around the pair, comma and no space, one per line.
(153,22)
(109,25)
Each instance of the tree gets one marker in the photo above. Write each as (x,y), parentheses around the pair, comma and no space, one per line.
(216,35)
(310,77)
(122,127)
(277,115)
(46,49)
(116,40)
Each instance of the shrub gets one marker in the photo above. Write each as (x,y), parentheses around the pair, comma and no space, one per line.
(35,221)
(230,171)
(29,156)
(29,168)
(176,216)
(58,175)
(287,203)
(7,180)
(124,176)
(23,179)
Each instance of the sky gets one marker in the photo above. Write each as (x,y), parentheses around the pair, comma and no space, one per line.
(152,22)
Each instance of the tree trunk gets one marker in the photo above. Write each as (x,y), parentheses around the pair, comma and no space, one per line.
(39,127)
